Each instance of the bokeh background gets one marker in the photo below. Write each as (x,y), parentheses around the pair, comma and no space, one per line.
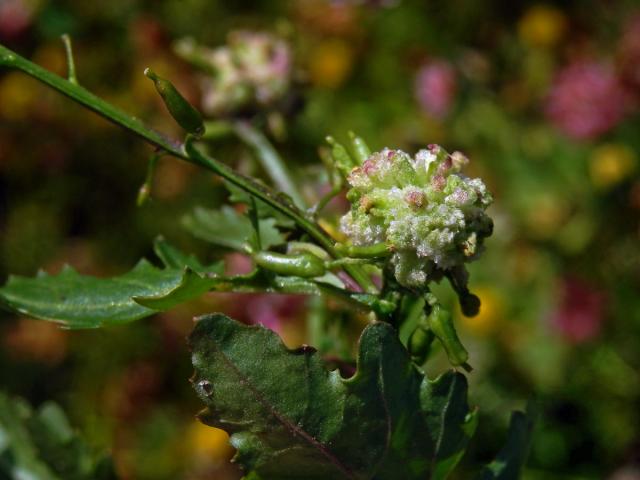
(543,98)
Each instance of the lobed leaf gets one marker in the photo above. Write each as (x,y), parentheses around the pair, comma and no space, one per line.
(290,418)
(81,301)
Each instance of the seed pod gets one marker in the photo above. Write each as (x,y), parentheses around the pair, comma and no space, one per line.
(441,324)
(299,265)
(180,109)
(420,344)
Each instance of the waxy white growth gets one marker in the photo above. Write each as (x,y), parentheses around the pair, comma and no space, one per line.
(430,215)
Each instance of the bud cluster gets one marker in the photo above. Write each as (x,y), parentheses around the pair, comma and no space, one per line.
(253,69)
(430,216)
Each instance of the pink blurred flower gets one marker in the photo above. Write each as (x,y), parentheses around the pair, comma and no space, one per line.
(436,87)
(580,314)
(585,100)
(270,310)
(15,17)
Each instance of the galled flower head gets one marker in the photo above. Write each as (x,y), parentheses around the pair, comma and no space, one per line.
(253,69)
(428,215)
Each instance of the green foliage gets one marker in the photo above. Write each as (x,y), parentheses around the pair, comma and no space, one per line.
(228,228)
(42,445)
(513,455)
(290,418)
(81,301)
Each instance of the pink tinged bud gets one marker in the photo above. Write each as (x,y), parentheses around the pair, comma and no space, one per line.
(436,87)
(585,100)
(438,181)
(415,198)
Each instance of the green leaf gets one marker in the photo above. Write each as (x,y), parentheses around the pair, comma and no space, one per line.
(451,424)
(42,445)
(289,418)
(227,228)
(80,301)
(512,457)
(171,257)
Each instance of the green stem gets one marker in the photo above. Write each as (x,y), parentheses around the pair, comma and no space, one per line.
(186,152)
(260,191)
(71,65)
(81,95)
(272,163)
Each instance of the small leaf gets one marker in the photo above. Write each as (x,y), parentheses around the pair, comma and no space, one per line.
(227,228)
(42,445)
(290,418)
(512,457)
(171,257)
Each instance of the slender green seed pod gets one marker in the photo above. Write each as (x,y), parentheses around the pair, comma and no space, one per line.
(420,344)
(180,109)
(360,148)
(303,264)
(441,324)
(377,250)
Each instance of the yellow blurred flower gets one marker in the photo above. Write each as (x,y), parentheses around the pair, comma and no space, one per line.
(209,442)
(542,26)
(610,164)
(546,215)
(491,313)
(16,97)
(330,63)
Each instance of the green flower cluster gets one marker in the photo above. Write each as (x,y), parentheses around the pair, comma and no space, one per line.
(428,215)
(253,69)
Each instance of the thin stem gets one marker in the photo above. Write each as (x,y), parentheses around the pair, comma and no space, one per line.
(186,152)
(260,191)
(71,65)
(81,95)
(272,163)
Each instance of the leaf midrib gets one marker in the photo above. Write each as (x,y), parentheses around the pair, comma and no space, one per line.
(290,426)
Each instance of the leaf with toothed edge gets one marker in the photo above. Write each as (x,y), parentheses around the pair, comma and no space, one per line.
(290,418)
(81,301)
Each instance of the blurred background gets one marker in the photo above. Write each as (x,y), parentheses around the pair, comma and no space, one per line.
(542,97)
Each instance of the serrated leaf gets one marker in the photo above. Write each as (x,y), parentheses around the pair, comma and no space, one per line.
(227,228)
(42,445)
(512,457)
(289,418)
(81,301)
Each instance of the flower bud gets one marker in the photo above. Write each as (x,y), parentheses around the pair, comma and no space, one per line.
(428,215)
